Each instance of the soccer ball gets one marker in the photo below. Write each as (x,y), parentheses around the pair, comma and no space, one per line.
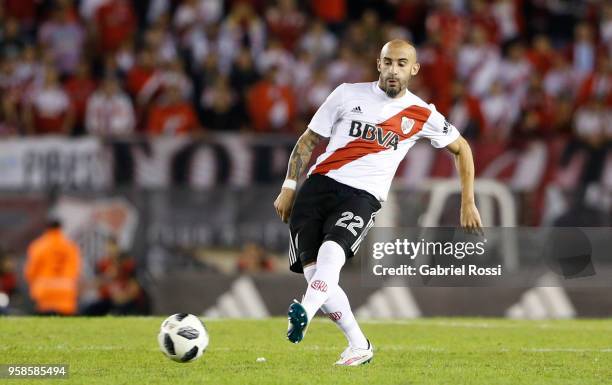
(183,337)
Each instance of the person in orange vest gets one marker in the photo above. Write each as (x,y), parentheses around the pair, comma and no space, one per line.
(52,271)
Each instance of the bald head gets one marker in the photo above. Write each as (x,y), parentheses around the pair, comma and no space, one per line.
(397,64)
(399,47)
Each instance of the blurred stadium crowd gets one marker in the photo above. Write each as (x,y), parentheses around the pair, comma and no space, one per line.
(500,70)
(505,72)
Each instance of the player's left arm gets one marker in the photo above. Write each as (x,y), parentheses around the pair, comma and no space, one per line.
(470,218)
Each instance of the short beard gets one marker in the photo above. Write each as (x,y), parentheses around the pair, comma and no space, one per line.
(392,92)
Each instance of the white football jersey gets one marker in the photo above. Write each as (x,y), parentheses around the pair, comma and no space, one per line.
(370,133)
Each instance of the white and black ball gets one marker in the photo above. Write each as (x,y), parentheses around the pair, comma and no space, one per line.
(183,337)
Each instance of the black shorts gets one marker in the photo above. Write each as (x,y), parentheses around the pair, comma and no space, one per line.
(328,210)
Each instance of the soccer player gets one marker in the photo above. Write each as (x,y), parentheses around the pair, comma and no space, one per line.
(371,127)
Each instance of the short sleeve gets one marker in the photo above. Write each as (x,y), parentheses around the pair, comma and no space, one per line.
(326,116)
(438,130)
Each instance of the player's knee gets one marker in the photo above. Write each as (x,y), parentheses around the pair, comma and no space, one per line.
(341,242)
(331,253)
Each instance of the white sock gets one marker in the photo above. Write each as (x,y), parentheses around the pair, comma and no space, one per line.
(338,309)
(324,282)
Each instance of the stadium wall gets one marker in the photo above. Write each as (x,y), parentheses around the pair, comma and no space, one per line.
(256,296)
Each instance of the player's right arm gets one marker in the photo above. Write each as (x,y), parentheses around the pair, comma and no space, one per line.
(300,156)
(319,127)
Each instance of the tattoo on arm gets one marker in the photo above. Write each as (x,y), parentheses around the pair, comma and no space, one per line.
(300,156)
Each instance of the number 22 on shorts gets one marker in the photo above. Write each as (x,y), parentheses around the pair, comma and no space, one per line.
(350,221)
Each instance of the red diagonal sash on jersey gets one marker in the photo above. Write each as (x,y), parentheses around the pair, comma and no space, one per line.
(359,147)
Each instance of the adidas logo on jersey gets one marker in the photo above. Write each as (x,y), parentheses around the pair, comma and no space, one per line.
(357,110)
(387,139)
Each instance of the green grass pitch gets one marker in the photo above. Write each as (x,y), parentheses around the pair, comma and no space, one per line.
(113,350)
